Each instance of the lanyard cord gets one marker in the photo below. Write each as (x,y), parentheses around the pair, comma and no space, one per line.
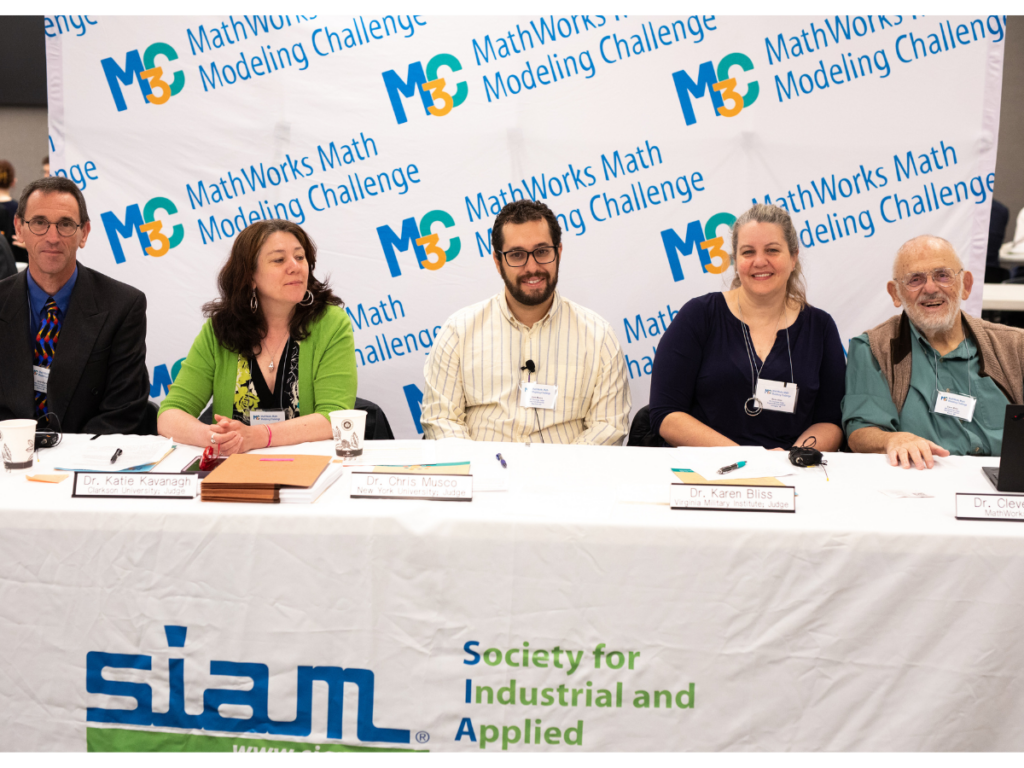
(748,343)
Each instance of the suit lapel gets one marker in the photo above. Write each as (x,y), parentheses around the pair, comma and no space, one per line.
(16,346)
(78,334)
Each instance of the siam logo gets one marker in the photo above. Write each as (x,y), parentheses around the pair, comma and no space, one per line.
(429,86)
(145,224)
(139,697)
(424,241)
(705,239)
(155,90)
(719,84)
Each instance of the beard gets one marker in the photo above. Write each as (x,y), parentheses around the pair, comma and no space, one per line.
(530,299)
(934,323)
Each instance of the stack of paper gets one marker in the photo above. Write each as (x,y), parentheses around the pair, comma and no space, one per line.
(314,492)
(259,478)
(448,468)
(132,454)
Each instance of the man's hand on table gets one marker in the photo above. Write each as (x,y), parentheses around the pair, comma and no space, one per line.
(904,449)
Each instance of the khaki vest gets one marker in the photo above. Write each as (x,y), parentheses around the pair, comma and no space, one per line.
(1000,346)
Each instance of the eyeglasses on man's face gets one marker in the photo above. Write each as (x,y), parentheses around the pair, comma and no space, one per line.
(942,277)
(40,226)
(517,257)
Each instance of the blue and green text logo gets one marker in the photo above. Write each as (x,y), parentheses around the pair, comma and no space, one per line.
(429,84)
(150,74)
(705,239)
(144,224)
(424,241)
(719,84)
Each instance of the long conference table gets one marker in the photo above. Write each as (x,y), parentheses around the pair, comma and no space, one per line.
(566,607)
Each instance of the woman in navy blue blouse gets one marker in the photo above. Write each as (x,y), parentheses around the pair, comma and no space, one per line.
(756,365)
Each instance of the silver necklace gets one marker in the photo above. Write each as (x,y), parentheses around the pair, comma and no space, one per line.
(270,367)
(753,406)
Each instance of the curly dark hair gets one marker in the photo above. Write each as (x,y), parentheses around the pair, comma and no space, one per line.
(236,326)
(520,212)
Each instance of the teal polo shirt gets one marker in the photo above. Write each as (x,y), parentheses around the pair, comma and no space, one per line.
(868,401)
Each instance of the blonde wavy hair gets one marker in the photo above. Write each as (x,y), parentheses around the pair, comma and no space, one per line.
(796,290)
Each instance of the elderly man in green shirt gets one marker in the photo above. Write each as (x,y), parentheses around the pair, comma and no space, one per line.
(931,381)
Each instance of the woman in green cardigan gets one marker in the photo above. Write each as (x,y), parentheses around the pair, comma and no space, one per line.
(276,353)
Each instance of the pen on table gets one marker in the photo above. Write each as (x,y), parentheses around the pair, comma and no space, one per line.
(94,437)
(503,464)
(731,467)
(116,454)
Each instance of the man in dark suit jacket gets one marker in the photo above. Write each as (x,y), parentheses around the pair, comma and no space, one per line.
(97,381)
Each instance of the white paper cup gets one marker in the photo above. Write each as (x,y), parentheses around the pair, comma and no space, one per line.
(348,428)
(18,444)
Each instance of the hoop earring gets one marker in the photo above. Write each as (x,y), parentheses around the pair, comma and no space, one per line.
(253,303)
(309,295)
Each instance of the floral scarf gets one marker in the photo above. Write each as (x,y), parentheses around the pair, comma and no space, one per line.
(246,398)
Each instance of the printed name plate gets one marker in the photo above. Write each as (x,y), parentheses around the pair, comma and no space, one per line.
(989,506)
(149,485)
(737,498)
(388,485)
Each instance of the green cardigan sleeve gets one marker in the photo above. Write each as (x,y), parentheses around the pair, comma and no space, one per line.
(327,365)
(194,383)
(327,371)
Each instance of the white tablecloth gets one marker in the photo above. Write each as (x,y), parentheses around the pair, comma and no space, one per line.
(859,622)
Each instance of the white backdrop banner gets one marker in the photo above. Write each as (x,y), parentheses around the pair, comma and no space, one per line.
(395,140)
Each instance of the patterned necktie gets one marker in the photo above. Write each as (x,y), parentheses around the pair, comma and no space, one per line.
(46,343)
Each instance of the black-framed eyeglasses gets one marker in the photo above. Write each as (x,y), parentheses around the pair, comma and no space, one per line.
(40,226)
(941,276)
(517,257)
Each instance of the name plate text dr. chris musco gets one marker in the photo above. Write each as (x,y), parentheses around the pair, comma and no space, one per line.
(388,485)
(737,498)
(135,485)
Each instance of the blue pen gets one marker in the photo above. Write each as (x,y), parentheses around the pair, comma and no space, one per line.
(503,464)
(731,467)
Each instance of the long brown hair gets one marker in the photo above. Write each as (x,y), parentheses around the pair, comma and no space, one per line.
(236,326)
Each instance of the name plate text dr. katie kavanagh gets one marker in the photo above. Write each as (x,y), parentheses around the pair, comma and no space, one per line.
(736,498)
(135,485)
(388,485)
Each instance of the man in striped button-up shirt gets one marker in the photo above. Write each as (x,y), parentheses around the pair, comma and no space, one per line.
(527,334)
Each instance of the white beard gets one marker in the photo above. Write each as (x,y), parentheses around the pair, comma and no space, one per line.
(934,324)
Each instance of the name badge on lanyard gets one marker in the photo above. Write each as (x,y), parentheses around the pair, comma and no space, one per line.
(40,378)
(777,395)
(538,395)
(265,416)
(952,404)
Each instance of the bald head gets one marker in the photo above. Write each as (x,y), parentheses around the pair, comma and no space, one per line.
(927,247)
(933,304)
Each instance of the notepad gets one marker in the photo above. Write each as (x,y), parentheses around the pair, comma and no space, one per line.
(689,477)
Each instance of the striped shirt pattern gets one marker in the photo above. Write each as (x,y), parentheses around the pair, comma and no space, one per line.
(474,371)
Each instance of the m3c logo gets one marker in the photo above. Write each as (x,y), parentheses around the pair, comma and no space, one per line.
(705,239)
(425,242)
(145,224)
(437,101)
(719,84)
(155,90)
